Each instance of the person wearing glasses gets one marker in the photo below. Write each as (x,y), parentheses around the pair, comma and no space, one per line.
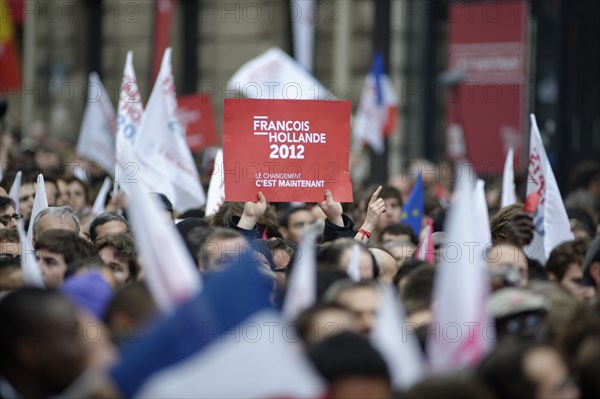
(8,216)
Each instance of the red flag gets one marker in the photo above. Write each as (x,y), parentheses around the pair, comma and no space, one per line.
(163,12)
(10,67)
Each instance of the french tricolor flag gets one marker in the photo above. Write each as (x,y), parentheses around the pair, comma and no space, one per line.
(376,115)
(227,342)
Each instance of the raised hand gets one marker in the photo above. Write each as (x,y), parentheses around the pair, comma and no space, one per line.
(252,212)
(375,209)
(332,209)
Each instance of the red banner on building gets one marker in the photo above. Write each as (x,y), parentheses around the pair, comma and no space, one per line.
(196,115)
(289,150)
(485,103)
(163,13)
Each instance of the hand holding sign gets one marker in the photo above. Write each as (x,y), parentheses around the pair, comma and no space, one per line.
(333,210)
(252,212)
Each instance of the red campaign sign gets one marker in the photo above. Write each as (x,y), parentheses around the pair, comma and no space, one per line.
(289,150)
(196,115)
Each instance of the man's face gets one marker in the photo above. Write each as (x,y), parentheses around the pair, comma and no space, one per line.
(26,197)
(6,218)
(363,301)
(48,222)
(119,268)
(573,282)
(224,250)
(508,256)
(387,237)
(53,267)
(392,214)
(298,222)
(108,228)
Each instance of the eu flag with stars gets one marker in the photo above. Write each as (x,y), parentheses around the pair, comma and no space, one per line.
(412,213)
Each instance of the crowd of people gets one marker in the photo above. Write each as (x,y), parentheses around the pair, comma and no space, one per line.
(547,316)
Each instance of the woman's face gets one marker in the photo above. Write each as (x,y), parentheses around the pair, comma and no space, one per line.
(77,196)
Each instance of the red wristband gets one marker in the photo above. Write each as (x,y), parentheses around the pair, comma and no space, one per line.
(364,233)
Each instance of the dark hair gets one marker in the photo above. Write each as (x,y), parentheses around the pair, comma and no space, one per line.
(167,205)
(125,251)
(502,371)
(284,216)
(5,202)
(347,355)
(305,321)
(66,243)
(194,232)
(218,233)
(24,313)
(499,223)
(397,229)
(332,252)
(104,218)
(388,192)
(562,257)
(135,301)
(9,235)
(408,266)
(417,292)
(448,387)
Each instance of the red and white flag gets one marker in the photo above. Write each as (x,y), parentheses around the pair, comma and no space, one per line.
(97,133)
(165,158)
(508,181)
(376,115)
(551,222)
(216,187)
(425,249)
(170,273)
(463,331)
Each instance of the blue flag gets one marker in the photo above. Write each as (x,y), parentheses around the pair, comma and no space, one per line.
(412,213)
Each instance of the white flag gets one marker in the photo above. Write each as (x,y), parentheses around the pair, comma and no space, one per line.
(508,181)
(550,218)
(100,201)
(481,216)
(275,75)
(303,28)
(13,194)
(354,266)
(463,330)
(97,133)
(32,275)
(170,272)
(301,290)
(165,158)
(129,117)
(216,188)
(396,342)
(40,202)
